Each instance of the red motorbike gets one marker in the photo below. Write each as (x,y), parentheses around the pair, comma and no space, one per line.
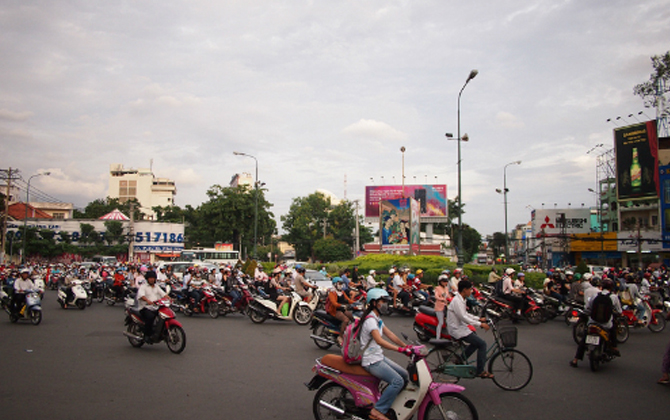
(425,324)
(656,322)
(532,311)
(166,328)
(226,301)
(208,304)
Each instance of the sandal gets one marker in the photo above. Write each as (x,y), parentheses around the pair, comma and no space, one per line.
(377,415)
(663,381)
(485,375)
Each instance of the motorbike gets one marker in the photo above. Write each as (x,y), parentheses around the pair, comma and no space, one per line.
(326,328)
(78,299)
(89,294)
(598,346)
(166,328)
(416,300)
(299,310)
(31,310)
(532,312)
(54,281)
(98,288)
(349,391)
(656,322)
(208,304)
(110,294)
(425,324)
(226,301)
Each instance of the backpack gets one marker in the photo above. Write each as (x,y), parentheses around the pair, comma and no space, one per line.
(498,288)
(352,352)
(601,308)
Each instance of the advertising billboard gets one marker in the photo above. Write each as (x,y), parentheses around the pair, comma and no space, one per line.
(432,200)
(647,241)
(561,221)
(591,242)
(664,172)
(395,224)
(636,150)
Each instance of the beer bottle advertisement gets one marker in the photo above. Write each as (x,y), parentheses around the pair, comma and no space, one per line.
(636,150)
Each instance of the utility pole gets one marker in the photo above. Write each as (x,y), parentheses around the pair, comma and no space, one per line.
(131,232)
(11,174)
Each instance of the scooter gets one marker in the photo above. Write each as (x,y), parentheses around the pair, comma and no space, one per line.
(208,304)
(78,299)
(425,324)
(349,391)
(532,311)
(326,328)
(166,328)
(226,300)
(31,310)
(656,322)
(299,310)
(598,346)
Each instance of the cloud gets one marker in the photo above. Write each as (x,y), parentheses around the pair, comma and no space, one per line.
(8,115)
(507,120)
(375,130)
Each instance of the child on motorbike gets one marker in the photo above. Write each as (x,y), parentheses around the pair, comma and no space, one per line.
(374,360)
(336,306)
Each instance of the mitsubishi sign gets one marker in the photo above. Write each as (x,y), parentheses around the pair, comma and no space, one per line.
(561,221)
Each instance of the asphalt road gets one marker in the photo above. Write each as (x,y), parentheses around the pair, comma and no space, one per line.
(78,365)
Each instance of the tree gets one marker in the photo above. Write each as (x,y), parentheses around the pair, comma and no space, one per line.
(100,207)
(170,214)
(305,222)
(653,92)
(330,249)
(471,241)
(498,243)
(114,232)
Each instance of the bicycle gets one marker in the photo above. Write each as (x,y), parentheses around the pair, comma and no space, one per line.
(511,368)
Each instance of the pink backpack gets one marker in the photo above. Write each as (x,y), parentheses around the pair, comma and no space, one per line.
(352,352)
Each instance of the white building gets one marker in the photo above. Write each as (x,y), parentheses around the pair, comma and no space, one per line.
(141,184)
(242,179)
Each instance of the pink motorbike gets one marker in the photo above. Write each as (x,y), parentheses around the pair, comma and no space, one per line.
(349,392)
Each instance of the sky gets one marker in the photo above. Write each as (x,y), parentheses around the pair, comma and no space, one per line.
(323,91)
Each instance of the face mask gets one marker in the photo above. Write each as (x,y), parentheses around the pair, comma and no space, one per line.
(338,286)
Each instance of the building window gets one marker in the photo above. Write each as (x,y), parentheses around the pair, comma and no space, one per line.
(59,216)
(666,191)
(127,190)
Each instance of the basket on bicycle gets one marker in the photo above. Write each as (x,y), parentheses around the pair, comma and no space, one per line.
(508,337)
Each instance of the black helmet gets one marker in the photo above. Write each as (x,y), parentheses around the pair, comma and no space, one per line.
(608,284)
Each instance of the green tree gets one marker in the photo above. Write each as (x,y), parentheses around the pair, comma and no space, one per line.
(169,214)
(114,232)
(498,243)
(305,222)
(471,241)
(330,249)
(653,92)
(100,207)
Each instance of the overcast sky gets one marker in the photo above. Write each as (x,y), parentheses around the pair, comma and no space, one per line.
(320,90)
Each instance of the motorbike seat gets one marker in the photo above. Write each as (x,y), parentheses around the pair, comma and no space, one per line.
(320,313)
(337,362)
(135,311)
(442,343)
(426,310)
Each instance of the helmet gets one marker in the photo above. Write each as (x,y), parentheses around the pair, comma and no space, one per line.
(419,271)
(410,277)
(458,270)
(298,267)
(25,270)
(587,276)
(337,280)
(150,274)
(510,271)
(569,273)
(372,272)
(442,278)
(376,294)
(391,271)
(447,272)
(608,284)
(521,275)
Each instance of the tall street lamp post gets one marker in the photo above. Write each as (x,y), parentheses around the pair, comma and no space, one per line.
(256,199)
(471,76)
(25,219)
(504,192)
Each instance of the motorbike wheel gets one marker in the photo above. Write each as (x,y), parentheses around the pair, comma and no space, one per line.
(135,329)
(61,303)
(421,334)
(594,359)
(256,316)
(213,309)
(89,300)
(101,296)
(454,405)
(578,331)
(187,310)
(534,317)
(302,315)
(110,297)
(512,370)
(35,317)
(176,339)
(337,396)
(622,332)
(81,304)
(13,318)
(320,331)
(660,323)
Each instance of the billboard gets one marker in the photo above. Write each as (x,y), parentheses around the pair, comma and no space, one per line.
(432,200)
(561,221)
(647,241)
(591,242)
(636,151)
(396,224)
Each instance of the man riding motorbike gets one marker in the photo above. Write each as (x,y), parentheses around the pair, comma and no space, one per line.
(21,285)
(336,306)
(147,295)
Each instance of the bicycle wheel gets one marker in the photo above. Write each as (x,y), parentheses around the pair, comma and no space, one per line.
(453,406)
(437,359)
(512,369)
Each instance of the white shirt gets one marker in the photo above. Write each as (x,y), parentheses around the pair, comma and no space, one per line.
(23,285)
(153,293)
(458,318)
(589,292)
(644,287)
(371,282)
(453,285)
(374,352)
(398,283)
(507,285)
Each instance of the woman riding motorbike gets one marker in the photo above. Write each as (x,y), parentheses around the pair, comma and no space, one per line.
(374,360)
(273,285)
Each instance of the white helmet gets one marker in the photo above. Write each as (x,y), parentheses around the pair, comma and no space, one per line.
(391,271)
(372,272)
(510,271)
(569,273)
(587,276)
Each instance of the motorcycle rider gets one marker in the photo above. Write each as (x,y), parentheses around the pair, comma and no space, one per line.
(610,326)
(147,295)
(301,285)
(336,306)
(458,322)
(371,282)
(117,286)
(374,360)
(493,276)
(21,286)
(453,283)
(400,290)
(273,285)
(511,293)
(442,297)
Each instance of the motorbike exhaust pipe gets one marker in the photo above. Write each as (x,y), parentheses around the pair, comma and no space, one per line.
(332,407)
(133,336)
(325,340)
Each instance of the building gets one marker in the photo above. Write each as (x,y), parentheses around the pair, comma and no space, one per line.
(241,179)
(59,211)
(142,185)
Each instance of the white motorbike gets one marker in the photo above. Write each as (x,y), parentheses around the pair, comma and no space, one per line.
(299,310)
(79,296)
(32,309)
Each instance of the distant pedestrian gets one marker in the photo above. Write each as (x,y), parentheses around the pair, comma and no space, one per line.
(665,379)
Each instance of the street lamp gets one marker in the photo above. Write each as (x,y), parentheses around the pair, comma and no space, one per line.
(402,150)
(25,219)
(256,199)
(471,76)
(504,193)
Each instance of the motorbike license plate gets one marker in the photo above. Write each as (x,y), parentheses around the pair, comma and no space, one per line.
(573,319)
(593,339)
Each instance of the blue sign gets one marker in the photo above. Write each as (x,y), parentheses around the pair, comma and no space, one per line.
(664,180)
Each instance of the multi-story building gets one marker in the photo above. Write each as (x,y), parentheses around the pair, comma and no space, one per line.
(142,184)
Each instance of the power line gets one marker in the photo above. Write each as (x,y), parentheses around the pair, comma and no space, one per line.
(39,193)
